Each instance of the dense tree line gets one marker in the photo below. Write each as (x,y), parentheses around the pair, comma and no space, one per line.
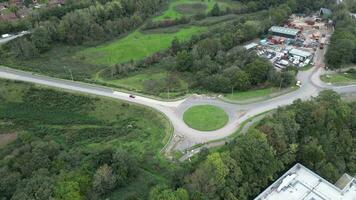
(94,23)
(318,133)
(342,48)
(53,163)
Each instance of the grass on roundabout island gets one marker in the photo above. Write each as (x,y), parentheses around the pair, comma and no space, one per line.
(205,118)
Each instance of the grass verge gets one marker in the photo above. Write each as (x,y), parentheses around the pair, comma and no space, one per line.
(339,78)
(256,95)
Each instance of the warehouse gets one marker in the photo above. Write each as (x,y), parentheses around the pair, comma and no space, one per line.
(284,32)
(299,53)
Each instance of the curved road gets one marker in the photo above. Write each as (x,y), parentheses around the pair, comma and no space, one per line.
(184,136)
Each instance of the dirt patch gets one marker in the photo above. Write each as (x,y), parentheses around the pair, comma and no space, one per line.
(191,8)
(6,139)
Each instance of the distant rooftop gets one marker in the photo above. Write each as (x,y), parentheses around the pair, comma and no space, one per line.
(325,11)
(300,183)
(284,31)
(301,53)
(250,46)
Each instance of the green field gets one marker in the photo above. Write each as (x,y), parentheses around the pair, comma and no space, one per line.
(180,8)
(134,47)
(340,78)
(205,118)
(138,81)
(82,127)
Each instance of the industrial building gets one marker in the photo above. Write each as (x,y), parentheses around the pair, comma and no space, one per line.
(300,183)
(284,32)
(325,12)
(304,55)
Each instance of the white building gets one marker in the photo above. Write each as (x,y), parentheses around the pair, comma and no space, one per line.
(300,183)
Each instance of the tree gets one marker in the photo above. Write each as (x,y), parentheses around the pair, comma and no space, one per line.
(184,61)
(209,177)
(68,190)
(216,10)
(164,193)
(41,38)
(22,48)
(258,71)
(242,81)
(104,179)
(175,46)
(39,186)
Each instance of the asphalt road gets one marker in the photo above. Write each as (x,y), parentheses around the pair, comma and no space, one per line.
(5,40)
(311,86)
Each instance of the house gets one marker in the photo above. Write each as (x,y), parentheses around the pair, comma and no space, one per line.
(325,13)
(301,183)
(284,32)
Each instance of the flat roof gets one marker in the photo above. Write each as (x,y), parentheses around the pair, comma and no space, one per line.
(300,53)
(300,183)
(283,30)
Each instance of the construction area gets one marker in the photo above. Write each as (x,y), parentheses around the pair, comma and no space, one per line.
(296,42)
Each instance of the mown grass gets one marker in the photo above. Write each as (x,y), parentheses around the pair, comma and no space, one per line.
(241,96)
(258,94)
(205,118)
(135,46)
(339,78)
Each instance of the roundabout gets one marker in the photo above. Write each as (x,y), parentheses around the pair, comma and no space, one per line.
(205,118)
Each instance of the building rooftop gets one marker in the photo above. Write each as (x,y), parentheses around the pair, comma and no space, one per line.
(325,11)
(283,30)
(300,183)
(300,53)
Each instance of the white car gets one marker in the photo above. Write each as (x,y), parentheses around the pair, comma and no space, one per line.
(299,84)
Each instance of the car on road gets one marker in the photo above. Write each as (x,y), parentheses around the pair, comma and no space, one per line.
(132,96)
(299,84)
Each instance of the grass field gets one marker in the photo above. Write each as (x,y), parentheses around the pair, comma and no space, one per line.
(180,8)
(58,62)
(134,47)
(136,82)
(205,118)
(340,78)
